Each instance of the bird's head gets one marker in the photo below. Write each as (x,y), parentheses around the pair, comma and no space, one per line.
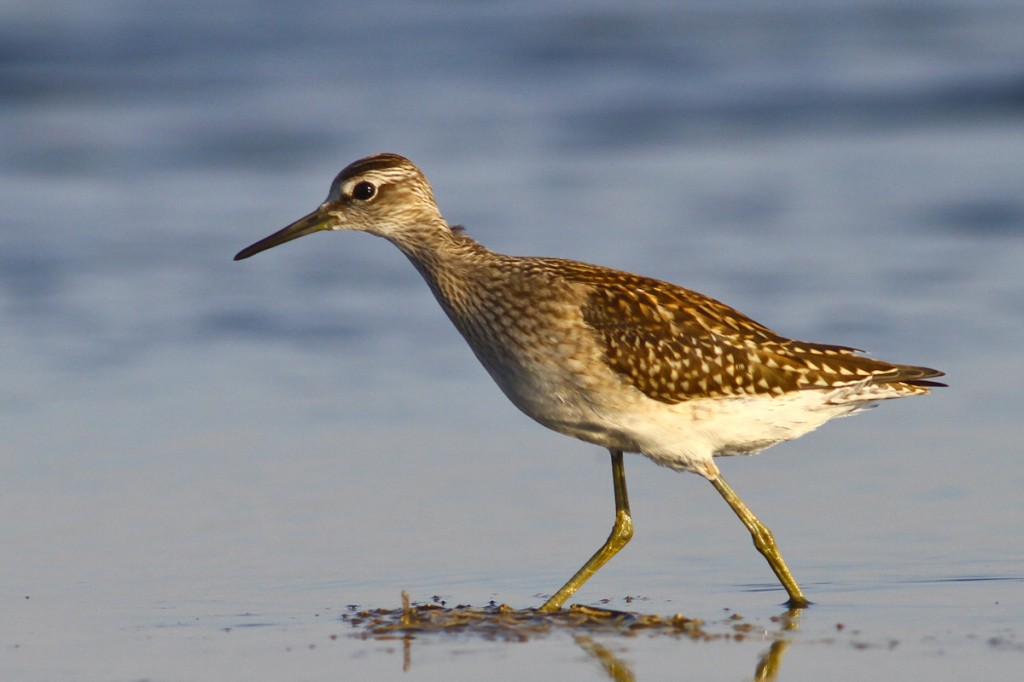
(385,195)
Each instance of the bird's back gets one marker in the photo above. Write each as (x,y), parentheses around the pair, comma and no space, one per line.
(670,343)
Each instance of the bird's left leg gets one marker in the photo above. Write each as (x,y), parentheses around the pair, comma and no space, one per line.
(763,540)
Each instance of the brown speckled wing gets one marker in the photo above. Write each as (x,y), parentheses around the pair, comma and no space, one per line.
(674,344)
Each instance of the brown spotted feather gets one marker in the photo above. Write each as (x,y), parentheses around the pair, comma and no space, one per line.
(674,344)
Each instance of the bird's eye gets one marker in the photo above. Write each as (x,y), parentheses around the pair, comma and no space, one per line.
(363,191)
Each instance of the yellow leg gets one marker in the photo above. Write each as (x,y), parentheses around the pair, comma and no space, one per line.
(622,531)
(764,542)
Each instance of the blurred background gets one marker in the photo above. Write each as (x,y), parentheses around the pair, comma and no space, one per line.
(189,444)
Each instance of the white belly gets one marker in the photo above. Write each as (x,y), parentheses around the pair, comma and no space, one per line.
(682,436)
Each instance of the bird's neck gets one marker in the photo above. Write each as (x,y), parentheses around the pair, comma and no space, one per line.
(453,265)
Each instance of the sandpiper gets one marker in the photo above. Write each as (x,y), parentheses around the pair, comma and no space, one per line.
(630,363)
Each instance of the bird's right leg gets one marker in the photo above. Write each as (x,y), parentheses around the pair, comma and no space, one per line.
(621,533)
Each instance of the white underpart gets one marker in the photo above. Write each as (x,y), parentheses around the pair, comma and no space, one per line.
(687,435)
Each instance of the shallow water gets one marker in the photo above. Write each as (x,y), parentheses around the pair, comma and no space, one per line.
(205,464)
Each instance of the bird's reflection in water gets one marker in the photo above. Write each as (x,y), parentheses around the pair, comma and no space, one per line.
(767,669)
(771,660)
(615,667)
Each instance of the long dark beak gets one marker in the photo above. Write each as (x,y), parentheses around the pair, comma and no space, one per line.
(314,222)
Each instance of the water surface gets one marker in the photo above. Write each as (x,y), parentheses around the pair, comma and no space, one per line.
(205,464)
